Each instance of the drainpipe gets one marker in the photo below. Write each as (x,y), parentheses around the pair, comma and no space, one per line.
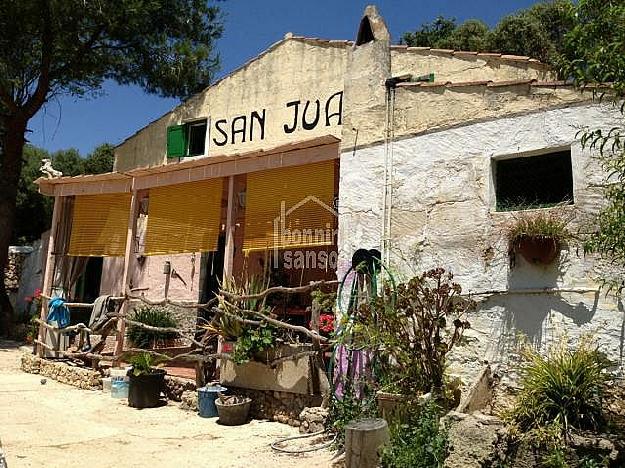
(389,135)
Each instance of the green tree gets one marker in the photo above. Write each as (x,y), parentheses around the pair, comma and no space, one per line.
(54,47)
(68,162)
(33,210)
(470,35)
(431,34)
(100,160)
(594,54)
(537,31)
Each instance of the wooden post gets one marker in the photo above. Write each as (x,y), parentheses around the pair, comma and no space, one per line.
(228,252)
(363,439)
(229,248)
(314,323)
(130,238)
(48,276)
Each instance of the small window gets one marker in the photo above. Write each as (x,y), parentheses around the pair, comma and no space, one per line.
(197,138)
(533,181)
(188,139)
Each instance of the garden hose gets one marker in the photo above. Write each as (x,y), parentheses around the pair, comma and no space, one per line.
(302,436)
(365,262)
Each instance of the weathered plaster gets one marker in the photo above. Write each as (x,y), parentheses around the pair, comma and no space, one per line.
(291,70)
(308,69)
(463,66)
(443,215)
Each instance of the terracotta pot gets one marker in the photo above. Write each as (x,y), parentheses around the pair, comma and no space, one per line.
(538,250)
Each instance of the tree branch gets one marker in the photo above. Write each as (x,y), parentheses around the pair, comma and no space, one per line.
(38,97)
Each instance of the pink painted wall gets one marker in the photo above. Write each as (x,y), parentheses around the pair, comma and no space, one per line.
(147,277)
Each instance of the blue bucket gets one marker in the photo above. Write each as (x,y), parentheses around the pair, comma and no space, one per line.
(206,397)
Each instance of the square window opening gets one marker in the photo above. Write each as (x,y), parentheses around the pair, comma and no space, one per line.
(197,138)
(531,182)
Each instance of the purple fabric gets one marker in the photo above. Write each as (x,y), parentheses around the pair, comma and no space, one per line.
(359,372)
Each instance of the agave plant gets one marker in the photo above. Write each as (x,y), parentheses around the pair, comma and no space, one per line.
(226,324)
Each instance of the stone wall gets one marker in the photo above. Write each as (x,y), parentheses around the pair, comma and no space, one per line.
(13,271)
(31,276)
(175,387)
(443,215)
(61,371)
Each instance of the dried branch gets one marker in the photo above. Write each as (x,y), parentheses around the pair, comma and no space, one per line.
(279,323)
(277,289)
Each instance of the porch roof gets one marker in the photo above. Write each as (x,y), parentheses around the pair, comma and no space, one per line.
(189,170)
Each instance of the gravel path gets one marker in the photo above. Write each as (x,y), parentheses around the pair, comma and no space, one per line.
(55,425)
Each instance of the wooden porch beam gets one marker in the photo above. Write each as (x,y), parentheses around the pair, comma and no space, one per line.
(130,238)
(48,275)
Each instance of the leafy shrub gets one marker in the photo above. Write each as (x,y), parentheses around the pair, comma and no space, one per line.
(156,317)
(417,442)
(414,327)
(252,341)
(564,388)
(144,363)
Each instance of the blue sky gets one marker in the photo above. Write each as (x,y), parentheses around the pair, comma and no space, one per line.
(250,27)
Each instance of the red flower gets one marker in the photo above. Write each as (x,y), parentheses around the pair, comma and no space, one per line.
(37,293)
(326,323)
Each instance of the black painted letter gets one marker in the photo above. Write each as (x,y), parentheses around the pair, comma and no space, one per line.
(313,124)
(218,124)
(242,131)
(339,112)
(286,127)
(261,123)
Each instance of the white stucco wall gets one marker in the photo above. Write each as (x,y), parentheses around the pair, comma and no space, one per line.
(443,215)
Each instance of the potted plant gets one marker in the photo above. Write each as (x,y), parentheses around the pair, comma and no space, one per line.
(154,316)
(538,236)
(233,410)
(146,381)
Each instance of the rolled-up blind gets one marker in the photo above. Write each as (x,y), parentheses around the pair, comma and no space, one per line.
(99,225)
(290,207)
(184,217)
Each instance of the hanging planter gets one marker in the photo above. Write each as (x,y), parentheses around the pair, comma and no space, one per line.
(537,237)
(538,249)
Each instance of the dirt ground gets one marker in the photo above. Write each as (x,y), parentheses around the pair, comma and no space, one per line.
(55,425)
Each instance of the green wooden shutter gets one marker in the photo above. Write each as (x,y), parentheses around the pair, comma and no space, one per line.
(176,141)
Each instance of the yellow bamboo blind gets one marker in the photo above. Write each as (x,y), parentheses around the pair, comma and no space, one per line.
(290,207)
(184,217)
(100,225)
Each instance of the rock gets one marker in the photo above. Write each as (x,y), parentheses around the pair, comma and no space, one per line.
(43,381)
(472,443)
(189,400)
